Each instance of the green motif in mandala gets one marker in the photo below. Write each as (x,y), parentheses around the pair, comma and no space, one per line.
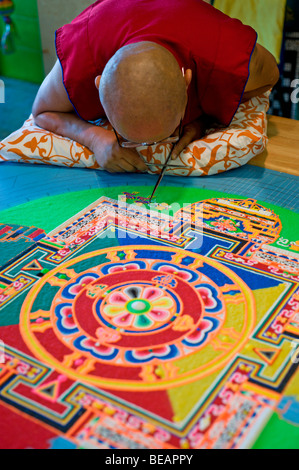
(138,306)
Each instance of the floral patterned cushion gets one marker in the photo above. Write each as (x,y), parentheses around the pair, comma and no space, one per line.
(220,150)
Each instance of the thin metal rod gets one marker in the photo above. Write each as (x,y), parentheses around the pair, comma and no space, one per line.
(162,164)
(161,174)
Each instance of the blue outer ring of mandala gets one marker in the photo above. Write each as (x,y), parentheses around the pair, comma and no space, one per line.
(194,275)
(60,318)
(171,354)
(105,269)
(214,292)
(66,291)
(79,344)
(214,325)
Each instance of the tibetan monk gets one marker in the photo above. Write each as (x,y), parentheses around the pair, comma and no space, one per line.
(152,68)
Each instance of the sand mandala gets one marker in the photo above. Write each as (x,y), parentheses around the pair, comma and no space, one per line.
(131,328)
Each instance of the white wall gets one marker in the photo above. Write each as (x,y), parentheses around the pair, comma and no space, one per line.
(52,15)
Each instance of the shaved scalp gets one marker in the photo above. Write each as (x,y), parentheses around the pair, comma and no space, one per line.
(143,92)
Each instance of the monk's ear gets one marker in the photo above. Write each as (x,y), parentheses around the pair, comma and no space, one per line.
(97,81)
(188,77)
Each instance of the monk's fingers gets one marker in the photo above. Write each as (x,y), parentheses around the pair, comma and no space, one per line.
(127,166)
(114,168)
(125,161)
(184,141)
(131,161)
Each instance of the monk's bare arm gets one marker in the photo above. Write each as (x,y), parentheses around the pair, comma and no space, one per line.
(263,73)
(53,111)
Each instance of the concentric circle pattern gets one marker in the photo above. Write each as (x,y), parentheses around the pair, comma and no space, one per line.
(130,321)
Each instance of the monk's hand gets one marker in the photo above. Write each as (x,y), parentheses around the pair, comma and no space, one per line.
(191,132)
(113,158)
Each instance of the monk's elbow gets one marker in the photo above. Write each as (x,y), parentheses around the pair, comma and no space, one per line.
(38,115)
(36,111)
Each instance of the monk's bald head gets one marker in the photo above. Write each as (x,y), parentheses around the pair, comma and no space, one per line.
(143,92)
